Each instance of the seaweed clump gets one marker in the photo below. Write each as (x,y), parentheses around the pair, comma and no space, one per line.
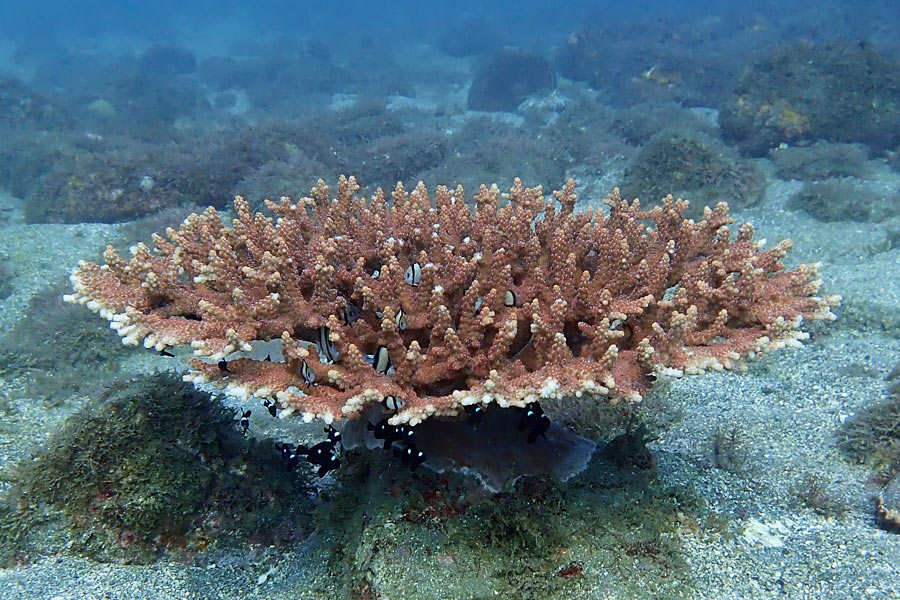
(872,437)
(815,493)
(821,160)
(845,199)
(692,164)
(156,467)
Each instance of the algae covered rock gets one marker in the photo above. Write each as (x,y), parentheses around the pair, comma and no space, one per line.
(846,199)
(694,166)
(819,161)
(507,78)
(840,92)
(59,354)
(155,466)
(7,275)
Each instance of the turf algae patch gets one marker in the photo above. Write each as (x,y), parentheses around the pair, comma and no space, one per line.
(156,469)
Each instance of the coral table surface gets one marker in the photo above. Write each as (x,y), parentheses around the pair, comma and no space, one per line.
(341,301)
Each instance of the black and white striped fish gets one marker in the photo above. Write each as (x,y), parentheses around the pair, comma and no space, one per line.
(245,419)
(400,320)
(349,313)
(270,406)
(393,403)
(381,360)
(413,274)
(308,375)
(325,345)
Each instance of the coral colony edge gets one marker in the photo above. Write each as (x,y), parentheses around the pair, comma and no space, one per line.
(420,304)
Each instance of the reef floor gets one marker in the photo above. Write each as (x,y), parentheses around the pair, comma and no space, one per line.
(752,496)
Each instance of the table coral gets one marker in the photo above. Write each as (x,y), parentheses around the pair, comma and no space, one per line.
(422,298)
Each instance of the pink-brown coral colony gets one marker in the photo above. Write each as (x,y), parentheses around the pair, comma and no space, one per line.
(440,306)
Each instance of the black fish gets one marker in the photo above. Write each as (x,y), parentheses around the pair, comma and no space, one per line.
(536,421)
(270,406)
(410,456)
(322,454)
(384,431)
(283,449)
(288,454)
(406,435)
(476,414)
(334,436)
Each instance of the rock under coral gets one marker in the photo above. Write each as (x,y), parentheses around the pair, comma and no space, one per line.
(495,450)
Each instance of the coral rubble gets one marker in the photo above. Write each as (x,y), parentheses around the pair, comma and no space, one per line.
(340,302)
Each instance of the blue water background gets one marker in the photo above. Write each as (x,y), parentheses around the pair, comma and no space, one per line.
(45,27)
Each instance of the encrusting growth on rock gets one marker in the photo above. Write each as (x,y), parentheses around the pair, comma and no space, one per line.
(441,307)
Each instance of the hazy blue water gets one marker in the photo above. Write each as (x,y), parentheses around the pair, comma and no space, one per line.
(394,23)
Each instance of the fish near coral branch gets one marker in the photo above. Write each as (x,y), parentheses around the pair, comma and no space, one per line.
(443,307)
